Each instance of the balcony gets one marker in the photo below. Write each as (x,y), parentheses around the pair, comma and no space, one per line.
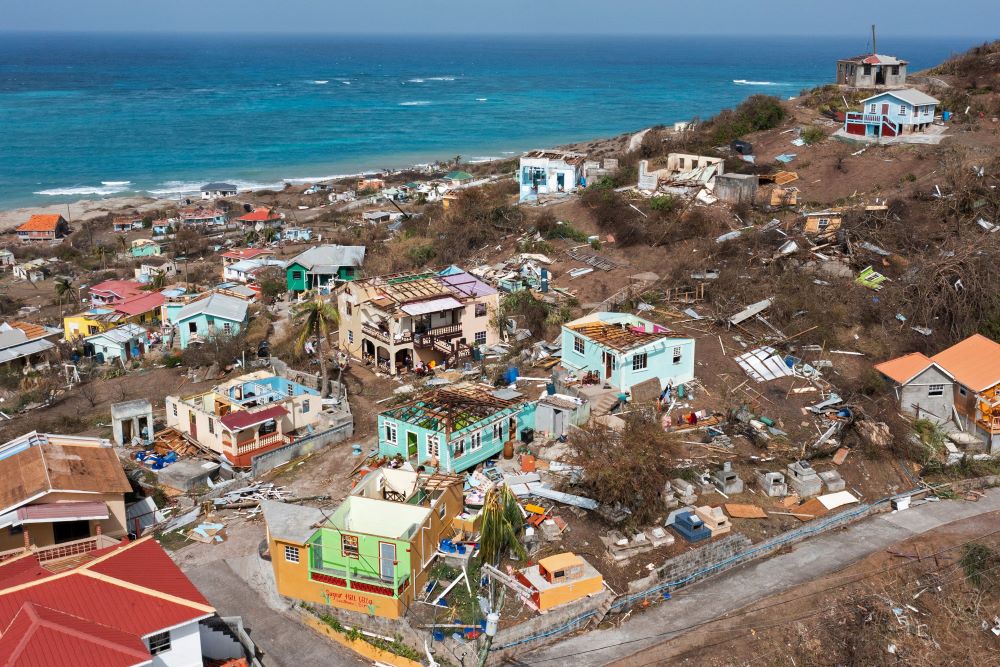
(253,444)
(359,583)
(384,337)
(867,118)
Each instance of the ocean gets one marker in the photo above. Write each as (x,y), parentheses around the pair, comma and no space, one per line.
(90,116)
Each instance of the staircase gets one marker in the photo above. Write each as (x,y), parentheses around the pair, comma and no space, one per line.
(602,611)
(603,404)
(218,639)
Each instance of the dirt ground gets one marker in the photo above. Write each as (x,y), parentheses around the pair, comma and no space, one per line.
(846,618)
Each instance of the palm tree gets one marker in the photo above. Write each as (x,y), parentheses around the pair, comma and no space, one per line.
(64,288)
(457,160)
(315,318)
(158,281)
(502,525)
(102,251)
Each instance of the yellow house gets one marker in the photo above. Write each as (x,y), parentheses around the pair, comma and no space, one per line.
(143,310)
(561,579)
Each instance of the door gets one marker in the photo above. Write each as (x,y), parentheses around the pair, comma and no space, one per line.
(559,422)
(561,181)
(126,431)
(67,531)
(192,425)
(411,444)
(885,109)
(387,561)
(192,327)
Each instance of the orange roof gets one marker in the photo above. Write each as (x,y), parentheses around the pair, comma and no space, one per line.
(974,362)
(32,331)
(905,368)
(41,223)
(560,562)
(260,214)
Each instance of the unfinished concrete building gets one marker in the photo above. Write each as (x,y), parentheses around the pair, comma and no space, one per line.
(736,188)
(683,174)
(132,421)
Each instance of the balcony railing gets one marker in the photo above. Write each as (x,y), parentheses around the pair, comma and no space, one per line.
(861,117)
(65,549)
(244,446)
(356,582)
(384,337)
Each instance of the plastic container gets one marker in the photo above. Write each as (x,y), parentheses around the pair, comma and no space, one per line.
(438,636)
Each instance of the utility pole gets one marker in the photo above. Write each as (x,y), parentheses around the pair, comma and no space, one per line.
(492,623)
(874,47)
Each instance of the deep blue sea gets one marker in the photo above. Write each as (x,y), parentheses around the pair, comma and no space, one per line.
(85,116)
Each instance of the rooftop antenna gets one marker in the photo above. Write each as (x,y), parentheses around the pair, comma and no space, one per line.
(874,48)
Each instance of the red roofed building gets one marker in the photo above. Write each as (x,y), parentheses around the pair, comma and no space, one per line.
(111,292)
(43,228)
(872,70)
(233,256)
(122,606)
(262,214)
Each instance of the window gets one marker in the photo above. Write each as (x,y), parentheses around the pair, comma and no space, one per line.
(227,328)
(211,426)
(291,554)
(174,406)
(210,320)
(475,441)
(350,337)
(290,389)
(480,310)
(480,338)
(935,390)
(390,432)
(498,431)
(159,643)
(349,546)
(895,70)
(874,108)
(903,109)
(823,223)
(442,510)
(962,391)
(639,362)
(433,445)
(348,308)
(15,530)
(578,345)
(296,275)
(305,405)
(677,355)
(868,70)
(459,447)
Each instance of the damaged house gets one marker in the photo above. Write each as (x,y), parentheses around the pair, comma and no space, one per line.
(871,70)
(682,175)
(960,384)
(373,554)
(549,172)
(623,350)
(247,416)
(405,322)
(454,428)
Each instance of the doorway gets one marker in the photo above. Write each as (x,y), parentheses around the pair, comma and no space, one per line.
(561,182)
(192,425)
(126,431)
(387,561)
(67,531)
(885,109)
(411,444)
(607,366)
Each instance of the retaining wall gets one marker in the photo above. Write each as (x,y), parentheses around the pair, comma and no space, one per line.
(311,443)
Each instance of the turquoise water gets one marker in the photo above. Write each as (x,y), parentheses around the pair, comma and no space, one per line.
(85,116)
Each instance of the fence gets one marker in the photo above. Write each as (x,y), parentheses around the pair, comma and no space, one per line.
(269,460)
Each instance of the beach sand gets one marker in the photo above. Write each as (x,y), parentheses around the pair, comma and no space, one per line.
(84,210)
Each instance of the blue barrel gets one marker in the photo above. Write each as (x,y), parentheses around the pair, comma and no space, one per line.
(438,636)
(946,115)
(550,388)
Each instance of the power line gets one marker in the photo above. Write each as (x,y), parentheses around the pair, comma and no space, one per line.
(743,612)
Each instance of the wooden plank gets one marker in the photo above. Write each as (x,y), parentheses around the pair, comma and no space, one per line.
(744,511)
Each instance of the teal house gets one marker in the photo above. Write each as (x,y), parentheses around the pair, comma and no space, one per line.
(125,343)
(322,267)
(454,428)
(145,248)
(214,315)
(623,350)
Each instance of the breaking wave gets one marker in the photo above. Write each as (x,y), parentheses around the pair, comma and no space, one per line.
(416,103)
(440,78)
(744,82)
(481,99)
(414,81)
(321,82)
(106,188)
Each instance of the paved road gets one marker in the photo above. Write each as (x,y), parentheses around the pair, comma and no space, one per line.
(749,583)
(231,586)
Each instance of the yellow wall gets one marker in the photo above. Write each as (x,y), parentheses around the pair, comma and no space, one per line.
(569,592)
(78,326)
(359,646)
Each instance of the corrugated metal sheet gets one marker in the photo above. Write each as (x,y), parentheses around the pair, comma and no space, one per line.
(431,306)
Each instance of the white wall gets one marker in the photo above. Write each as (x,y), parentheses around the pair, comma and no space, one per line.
(185,648)
(219,646)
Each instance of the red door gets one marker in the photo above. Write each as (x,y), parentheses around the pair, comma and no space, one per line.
(885,109)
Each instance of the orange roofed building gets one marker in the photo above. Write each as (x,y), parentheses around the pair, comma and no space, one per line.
(960,384)
(43,228)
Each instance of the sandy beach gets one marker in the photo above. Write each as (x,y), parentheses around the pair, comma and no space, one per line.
(83,210)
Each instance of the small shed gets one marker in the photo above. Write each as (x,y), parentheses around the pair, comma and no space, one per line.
(736,188)
(132,420)
(555,413)
(823,223)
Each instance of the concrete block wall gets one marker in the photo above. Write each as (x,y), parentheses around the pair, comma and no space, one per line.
(276,457)
(387,627)
(517,639)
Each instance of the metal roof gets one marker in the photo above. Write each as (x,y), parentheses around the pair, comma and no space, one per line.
(909,95)
(24,349)
(122,334)
(431,305)
(291,523)
(218,186)
(217,305)
(331,256)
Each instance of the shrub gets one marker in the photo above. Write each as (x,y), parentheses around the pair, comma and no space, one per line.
(813,135)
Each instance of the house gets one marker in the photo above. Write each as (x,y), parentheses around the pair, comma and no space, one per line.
(871,70)
(681,174)
(45,500)
(240,254)
(43,228)
(215,314)
(218,190)
(262,215)
(296,234)
(961,384)
(324,266)
(555,414)
(453,428)
(244,271)
(7,260)
(163,226)
(124,343)
(623,350)
(132,420)
(143,309)
(35,270)
(111,292)
(122,224)
(549,172)
(892,113)
(823,223)
(458,178)
(198,216)
(24,345)
(377,217)
(145,248)
(405,322)
(560,579)
(125,605)
(247,416)
(374,553)
(155,265)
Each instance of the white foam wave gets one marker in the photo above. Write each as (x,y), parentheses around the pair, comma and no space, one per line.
(416,103)
(744,82)
(346,83)
(481,99)
(173,188)
(321,82)
(440,78)
(414,81)
(479,159)
(106,189)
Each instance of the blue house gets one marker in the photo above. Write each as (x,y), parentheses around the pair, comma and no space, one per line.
(215,315)
(891,114)
(624,350)
(454,428)
(126,342)
(295,234)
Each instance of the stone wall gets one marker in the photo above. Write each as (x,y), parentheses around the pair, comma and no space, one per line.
(523,637)
(276,457)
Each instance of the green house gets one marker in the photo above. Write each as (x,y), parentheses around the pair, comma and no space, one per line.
(323,266)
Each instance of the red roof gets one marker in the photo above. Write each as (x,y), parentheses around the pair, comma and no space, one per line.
(235,421)
(95,614)
(136,305)
(260,214)
(40,636)
(247,253)
(123,289)
(41,223)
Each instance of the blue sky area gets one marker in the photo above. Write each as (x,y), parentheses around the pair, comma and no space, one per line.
(710,17)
